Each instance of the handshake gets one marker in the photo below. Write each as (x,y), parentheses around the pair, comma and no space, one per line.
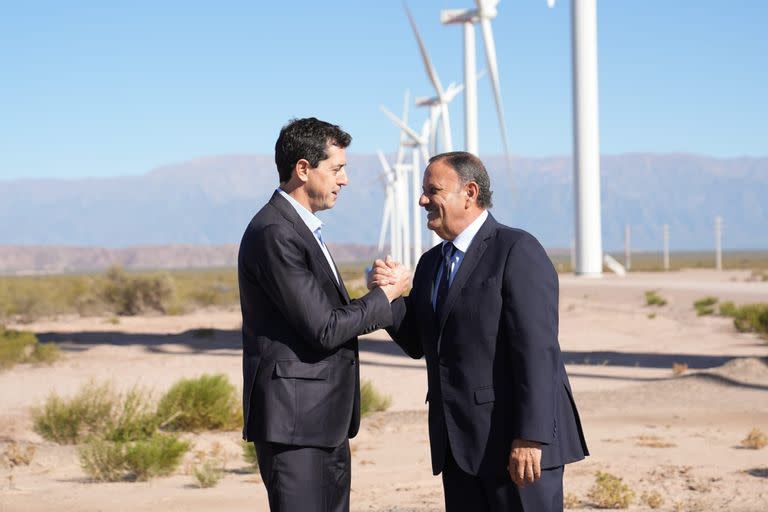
(392,277)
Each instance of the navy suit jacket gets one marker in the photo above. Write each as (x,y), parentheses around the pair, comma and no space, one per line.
(494,366)
(301,380)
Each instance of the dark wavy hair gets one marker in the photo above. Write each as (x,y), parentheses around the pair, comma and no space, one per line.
(306,138)
(469,168)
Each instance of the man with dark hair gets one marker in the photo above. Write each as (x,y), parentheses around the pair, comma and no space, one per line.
(301,379)
(483,312)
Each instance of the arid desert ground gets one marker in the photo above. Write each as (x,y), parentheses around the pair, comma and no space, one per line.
(674,433)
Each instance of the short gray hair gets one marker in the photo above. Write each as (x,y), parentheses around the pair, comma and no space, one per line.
(469,168)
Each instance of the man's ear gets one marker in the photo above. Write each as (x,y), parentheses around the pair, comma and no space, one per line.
(302,169)
(472,190)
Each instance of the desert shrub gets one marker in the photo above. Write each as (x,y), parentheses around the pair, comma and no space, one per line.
(209,473)
(653,499)
(134,294)
(23,347)
(752,318)
(572,501)
(209,402)
(705,306)
(755,440)
(97,411)
(249,455)
(103,460)
(14,455)
(652,298)
(609,491)
(68,421)
(728,308)
(111,461)
(133,417)
(371,400)
(159,455)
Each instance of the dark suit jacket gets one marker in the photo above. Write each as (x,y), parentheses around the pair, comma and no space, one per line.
(301,381)
(493,358)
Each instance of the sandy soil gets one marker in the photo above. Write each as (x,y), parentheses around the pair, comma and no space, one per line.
(677,435)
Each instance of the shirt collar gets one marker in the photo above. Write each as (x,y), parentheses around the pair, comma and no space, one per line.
(309,218)
(465,238)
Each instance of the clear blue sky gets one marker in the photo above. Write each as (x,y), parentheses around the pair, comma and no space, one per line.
(99,89)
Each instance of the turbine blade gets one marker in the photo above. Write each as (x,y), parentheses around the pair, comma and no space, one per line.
(385,164)
(400,124)
(425,56)
(493,72)
(403,137)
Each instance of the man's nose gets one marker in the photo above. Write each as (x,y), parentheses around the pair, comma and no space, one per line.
(423,200)
(342,179)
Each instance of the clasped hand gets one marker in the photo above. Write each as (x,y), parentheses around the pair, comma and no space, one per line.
(392,277)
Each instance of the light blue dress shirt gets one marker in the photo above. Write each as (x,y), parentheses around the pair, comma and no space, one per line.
(314,224)
(461,243)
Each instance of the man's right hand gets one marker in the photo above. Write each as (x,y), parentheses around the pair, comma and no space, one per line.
(392,277)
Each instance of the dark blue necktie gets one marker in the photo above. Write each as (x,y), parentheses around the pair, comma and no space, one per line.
(444,284)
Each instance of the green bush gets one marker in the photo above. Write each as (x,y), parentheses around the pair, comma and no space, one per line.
(22,347)
(652,298)
(728,308)
(209,402)
(70,421)
(609,491)
(371,400)
(110,461)
(133,418)
(705,306)
(97,411)
(752,318)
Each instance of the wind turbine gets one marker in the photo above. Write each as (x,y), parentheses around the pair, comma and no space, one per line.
(389,219)
(483,14)
(419,143)
(589,243)
(433,103)
(443,97)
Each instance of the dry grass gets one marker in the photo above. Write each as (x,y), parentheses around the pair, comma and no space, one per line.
(679,368)
(609,491)
(209,473)
(755,440)
(14,455)
(651,441)
(653,499)
(571,501)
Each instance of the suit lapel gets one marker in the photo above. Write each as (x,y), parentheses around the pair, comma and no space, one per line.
(288,211)
(473,256)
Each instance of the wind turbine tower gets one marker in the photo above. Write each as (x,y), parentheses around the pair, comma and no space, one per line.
(589,242)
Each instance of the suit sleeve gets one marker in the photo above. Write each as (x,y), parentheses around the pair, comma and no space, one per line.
(405,328)
(277,257)
(530,316)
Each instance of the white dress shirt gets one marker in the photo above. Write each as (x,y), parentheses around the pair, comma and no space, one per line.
(314,224)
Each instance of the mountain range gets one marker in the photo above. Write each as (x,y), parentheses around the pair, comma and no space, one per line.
(209,201)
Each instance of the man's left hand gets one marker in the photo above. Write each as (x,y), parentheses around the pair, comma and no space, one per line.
(525,462)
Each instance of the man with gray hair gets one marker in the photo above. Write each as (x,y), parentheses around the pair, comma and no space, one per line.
(483,313)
